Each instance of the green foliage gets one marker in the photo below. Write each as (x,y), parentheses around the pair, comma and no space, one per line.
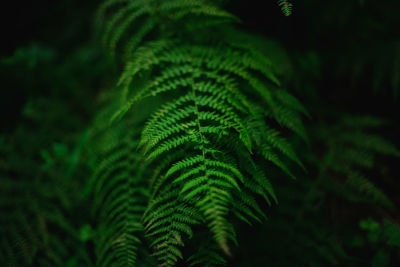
(33,217)
(286,7)
(336,184)
(171,146)
(120,197)
(205,176)
(207,255)
(146,17)
(384,236)
(351,148)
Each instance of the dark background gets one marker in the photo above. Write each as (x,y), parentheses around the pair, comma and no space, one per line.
(336,30)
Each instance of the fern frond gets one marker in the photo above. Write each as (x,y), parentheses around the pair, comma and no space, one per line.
(138,18)
(212,176)
(207,255)
(121,197)
(364,186)
(286,7)
(238,64)
(270,144)
(167,219)
(371,142)
(352,148)
(211,107)
(210,94)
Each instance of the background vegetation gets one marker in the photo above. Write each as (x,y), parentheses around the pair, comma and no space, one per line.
(341,59)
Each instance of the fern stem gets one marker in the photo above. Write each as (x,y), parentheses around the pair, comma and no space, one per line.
(221,243)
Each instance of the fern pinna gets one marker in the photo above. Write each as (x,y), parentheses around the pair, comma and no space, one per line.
(207,141)
(286,7)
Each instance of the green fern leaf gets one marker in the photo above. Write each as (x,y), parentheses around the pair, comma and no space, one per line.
(286,7)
